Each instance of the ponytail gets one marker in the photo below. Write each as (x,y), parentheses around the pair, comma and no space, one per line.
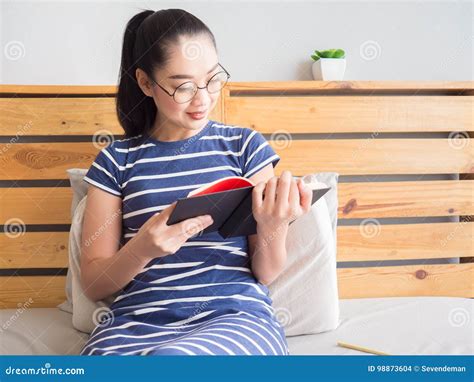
(145,41)
(134,108)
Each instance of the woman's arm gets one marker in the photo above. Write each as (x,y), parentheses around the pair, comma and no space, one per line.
(268,253)
(104,268)
(258,250)
(267,247)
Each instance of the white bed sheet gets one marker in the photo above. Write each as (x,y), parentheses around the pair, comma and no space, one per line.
(399,325)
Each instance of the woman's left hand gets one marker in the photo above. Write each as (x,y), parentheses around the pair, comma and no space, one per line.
(285,200)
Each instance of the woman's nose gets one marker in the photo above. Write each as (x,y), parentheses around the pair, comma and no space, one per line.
(202,97)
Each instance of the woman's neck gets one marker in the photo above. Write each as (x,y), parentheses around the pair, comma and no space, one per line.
(169,132)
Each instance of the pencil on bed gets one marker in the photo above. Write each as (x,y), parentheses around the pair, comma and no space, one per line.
(360,348)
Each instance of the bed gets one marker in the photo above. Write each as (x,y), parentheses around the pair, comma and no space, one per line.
(405,158)
(434,325)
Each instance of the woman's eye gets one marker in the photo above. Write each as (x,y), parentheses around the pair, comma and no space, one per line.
(186,87)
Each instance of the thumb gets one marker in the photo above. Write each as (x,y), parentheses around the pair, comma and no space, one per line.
(306,195)
(190,227)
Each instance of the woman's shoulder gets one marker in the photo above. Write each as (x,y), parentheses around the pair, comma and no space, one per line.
(119,149)
(125,144)
(230,130)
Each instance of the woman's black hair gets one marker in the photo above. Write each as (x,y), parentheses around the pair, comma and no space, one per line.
(147,36)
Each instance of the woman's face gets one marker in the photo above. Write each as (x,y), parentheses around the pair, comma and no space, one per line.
(192,59)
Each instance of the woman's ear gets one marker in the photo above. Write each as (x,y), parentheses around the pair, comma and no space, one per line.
(144,82)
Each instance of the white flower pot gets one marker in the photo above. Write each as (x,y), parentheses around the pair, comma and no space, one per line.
(329,69)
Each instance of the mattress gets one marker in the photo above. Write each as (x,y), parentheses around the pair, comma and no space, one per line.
(397,325)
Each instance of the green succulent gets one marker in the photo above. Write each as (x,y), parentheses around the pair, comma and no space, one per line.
(330,53)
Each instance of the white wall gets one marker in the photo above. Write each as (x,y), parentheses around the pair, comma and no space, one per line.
(65,42)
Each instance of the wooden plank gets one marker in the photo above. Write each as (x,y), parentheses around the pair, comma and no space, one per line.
(36,205)
(63,116)
(45,160)
(59,116)
(449,280)
(453,280)
(34,250)
(345,156)
(32,291)
(373,156)
(415,86)
(49,205)
(58,90)
(405,199)
(355,114)
(354,243)
(393,86)
(372,241)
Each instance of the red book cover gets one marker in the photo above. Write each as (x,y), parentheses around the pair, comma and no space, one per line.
(224,184)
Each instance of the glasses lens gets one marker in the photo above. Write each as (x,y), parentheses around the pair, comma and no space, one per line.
(185,92)
(217,82)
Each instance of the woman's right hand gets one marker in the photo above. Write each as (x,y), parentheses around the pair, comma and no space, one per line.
(157,239)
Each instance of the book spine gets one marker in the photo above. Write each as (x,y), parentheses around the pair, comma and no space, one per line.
(241,221)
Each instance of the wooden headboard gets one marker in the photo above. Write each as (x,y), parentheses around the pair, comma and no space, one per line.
(368,132)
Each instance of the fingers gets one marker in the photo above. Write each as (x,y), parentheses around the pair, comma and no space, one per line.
(270,192)
(306,195)
(257,195)
(294,197)
(283,191)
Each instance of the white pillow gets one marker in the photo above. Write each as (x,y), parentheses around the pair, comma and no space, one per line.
(305,295)
(79,190)
(79,187)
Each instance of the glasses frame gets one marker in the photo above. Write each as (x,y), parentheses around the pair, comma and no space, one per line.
(196,86)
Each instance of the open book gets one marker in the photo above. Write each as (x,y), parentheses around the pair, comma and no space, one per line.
(229,202)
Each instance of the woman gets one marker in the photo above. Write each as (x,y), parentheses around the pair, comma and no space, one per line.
(178,292)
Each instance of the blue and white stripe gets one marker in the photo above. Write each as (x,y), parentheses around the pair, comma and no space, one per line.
(203,299)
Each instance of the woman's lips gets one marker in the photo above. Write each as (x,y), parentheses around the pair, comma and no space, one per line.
(200,115)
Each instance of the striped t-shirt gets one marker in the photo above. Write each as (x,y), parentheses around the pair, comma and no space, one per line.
(209,277)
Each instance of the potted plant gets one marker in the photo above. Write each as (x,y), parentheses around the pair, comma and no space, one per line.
(329,65)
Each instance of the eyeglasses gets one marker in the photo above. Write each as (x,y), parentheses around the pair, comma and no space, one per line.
(187,90)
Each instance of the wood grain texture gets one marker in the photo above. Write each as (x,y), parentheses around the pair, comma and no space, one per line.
(449,280)
(32,291)
(22,249)
(374,156)
(352,114)
(371,241)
